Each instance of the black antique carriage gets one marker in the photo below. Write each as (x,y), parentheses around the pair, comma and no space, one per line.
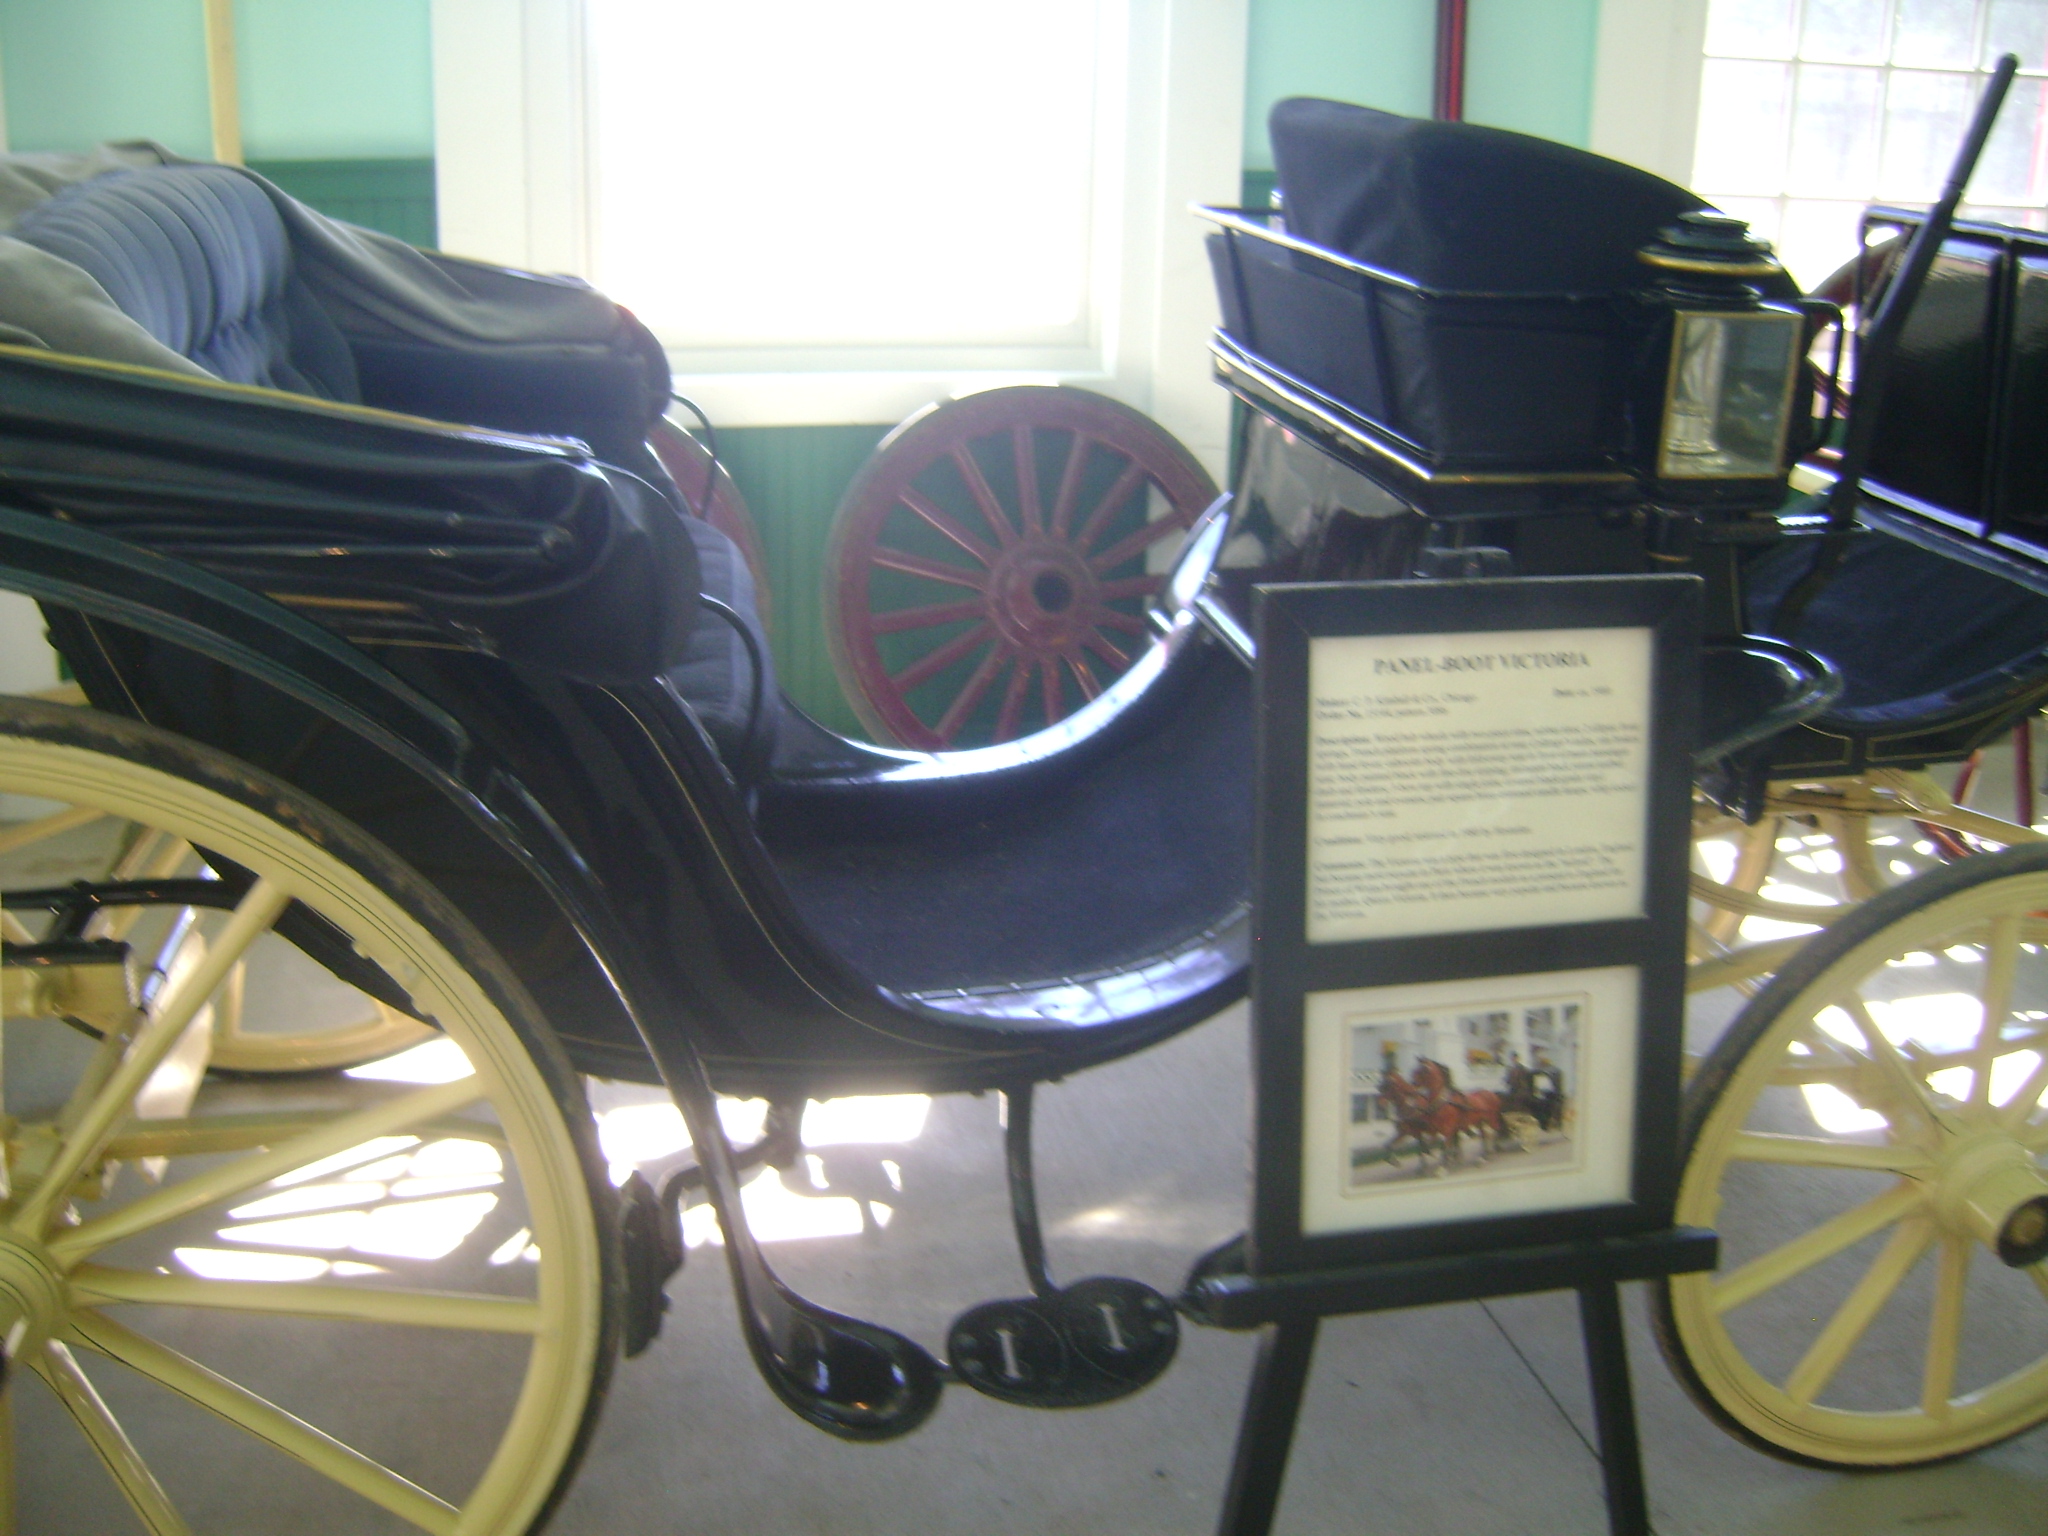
(475,733)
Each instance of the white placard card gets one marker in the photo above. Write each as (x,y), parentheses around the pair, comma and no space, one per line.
(1487,780)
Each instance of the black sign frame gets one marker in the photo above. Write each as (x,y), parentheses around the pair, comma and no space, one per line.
(1287,968)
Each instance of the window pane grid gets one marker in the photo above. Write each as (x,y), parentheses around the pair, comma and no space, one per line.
(1812,109)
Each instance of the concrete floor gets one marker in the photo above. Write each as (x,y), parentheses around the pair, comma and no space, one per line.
(1455,1419)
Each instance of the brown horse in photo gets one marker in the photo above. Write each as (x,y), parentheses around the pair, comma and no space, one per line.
(1453,1111)
(1415,1122)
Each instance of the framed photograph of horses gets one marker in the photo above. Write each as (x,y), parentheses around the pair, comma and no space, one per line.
(1471,885)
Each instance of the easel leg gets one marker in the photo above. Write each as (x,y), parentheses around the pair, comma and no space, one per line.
(1267,1429)
(1614,1412)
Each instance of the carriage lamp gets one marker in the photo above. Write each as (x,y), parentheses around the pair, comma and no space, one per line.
(1729,393)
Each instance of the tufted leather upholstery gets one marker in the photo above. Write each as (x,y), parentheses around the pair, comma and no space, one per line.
(197,255)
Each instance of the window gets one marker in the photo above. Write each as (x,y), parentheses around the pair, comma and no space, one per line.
(1812,109)
(877,180)
(838,210)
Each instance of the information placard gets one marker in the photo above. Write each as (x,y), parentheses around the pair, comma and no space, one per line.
(1476,780)
(1474,800)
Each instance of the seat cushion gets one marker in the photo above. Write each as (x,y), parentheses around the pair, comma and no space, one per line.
(1915,633)
(716,674)
(197,255)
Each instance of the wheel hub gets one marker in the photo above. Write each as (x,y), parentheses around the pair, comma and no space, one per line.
(1991,1189)
(1042,597)
(33,1295)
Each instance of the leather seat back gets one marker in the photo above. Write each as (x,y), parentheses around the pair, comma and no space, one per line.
(197,255)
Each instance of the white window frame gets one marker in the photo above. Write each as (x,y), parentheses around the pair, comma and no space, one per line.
(1647,64)
(511,152)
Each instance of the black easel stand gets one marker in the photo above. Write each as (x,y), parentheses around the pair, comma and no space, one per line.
(1222,1295)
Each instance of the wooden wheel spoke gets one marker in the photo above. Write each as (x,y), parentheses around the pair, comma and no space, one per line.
(1820,1152)
(1945,1325)
(1070,485)
(1027,479)
(978,487)
(93,1285)
(942,524)
(1742,903)
(936,661)
(2014,1114)
(227,1005)
(1083,677)
(1123,623)
(1129,586)
(209,1135)
(1823,1242)
(930,616)
(1012,710)
(266,1421)
(891,559)
(1861,877)
(1726,968)
(1852,1319)
(979,683)
(175,1009)
(56,824)
(1996,999)
(1759,843)
(1134,543)
(229,1179)
(1106,649)
(1898,1074)
(1007,493)
(1112,502)
(60,1371)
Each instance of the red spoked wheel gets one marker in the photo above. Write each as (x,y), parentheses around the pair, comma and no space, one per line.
(688,463)
(989,566)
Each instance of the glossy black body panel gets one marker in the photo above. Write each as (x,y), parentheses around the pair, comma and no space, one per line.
(1934,435)
(592,832)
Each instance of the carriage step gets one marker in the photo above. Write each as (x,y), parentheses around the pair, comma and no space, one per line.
(1090,1342)
(651,1235)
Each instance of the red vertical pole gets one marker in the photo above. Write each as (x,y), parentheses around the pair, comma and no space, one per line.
(1450,61)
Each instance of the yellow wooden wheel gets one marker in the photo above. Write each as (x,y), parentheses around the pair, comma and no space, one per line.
(256,1029)
(263,1312)
(1761,891)
(1868,1137)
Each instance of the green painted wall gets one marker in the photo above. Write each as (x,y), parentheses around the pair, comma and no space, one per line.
(321,79)
(1529,66)
(1378,53)
(82,71)
(336,79)
(396,196)
(792,478)
(1528,63)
